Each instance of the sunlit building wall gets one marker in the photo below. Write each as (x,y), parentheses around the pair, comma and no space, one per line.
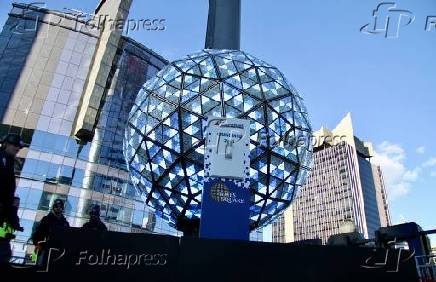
(343,186)
(45,66)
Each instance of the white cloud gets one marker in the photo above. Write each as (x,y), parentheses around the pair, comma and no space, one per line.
(412,175)
(398,178)
(394,151)
(433,173)
(430,162)
(420,150)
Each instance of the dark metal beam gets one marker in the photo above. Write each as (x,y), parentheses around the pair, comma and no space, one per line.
(223,25)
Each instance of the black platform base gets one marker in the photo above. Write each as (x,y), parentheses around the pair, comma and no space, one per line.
(80,255)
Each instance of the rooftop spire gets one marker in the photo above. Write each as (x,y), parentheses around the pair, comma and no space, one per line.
(223,24)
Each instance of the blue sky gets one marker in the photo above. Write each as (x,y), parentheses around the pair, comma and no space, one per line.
(388,85)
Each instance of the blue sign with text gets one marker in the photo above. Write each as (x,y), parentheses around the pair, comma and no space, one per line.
(225,210)
(225,207)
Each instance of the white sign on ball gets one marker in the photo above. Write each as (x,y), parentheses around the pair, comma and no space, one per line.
(227,147)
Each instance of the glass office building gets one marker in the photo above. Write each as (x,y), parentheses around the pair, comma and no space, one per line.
(48,60)
(343,187)
(45,68)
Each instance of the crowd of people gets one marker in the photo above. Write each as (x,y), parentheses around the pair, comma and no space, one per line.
(9,205)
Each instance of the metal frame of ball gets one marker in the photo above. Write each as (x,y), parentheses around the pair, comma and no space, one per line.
(270,104)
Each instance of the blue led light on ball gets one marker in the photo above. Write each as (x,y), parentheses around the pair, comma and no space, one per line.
(164,142)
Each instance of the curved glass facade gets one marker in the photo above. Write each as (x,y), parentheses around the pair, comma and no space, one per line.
(164,143)
(41,86)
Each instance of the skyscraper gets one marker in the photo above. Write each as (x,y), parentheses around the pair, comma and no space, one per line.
(343,186)
(67,87)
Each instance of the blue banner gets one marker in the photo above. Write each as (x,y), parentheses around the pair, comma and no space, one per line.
(225,210)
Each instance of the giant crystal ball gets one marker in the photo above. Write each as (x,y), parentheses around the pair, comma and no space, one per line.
(164,142)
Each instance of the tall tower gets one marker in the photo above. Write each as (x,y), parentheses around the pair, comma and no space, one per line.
(343,186)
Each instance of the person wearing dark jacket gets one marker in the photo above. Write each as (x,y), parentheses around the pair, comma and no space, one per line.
(50,223)
(48,226)
(95,222)
(11,145)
